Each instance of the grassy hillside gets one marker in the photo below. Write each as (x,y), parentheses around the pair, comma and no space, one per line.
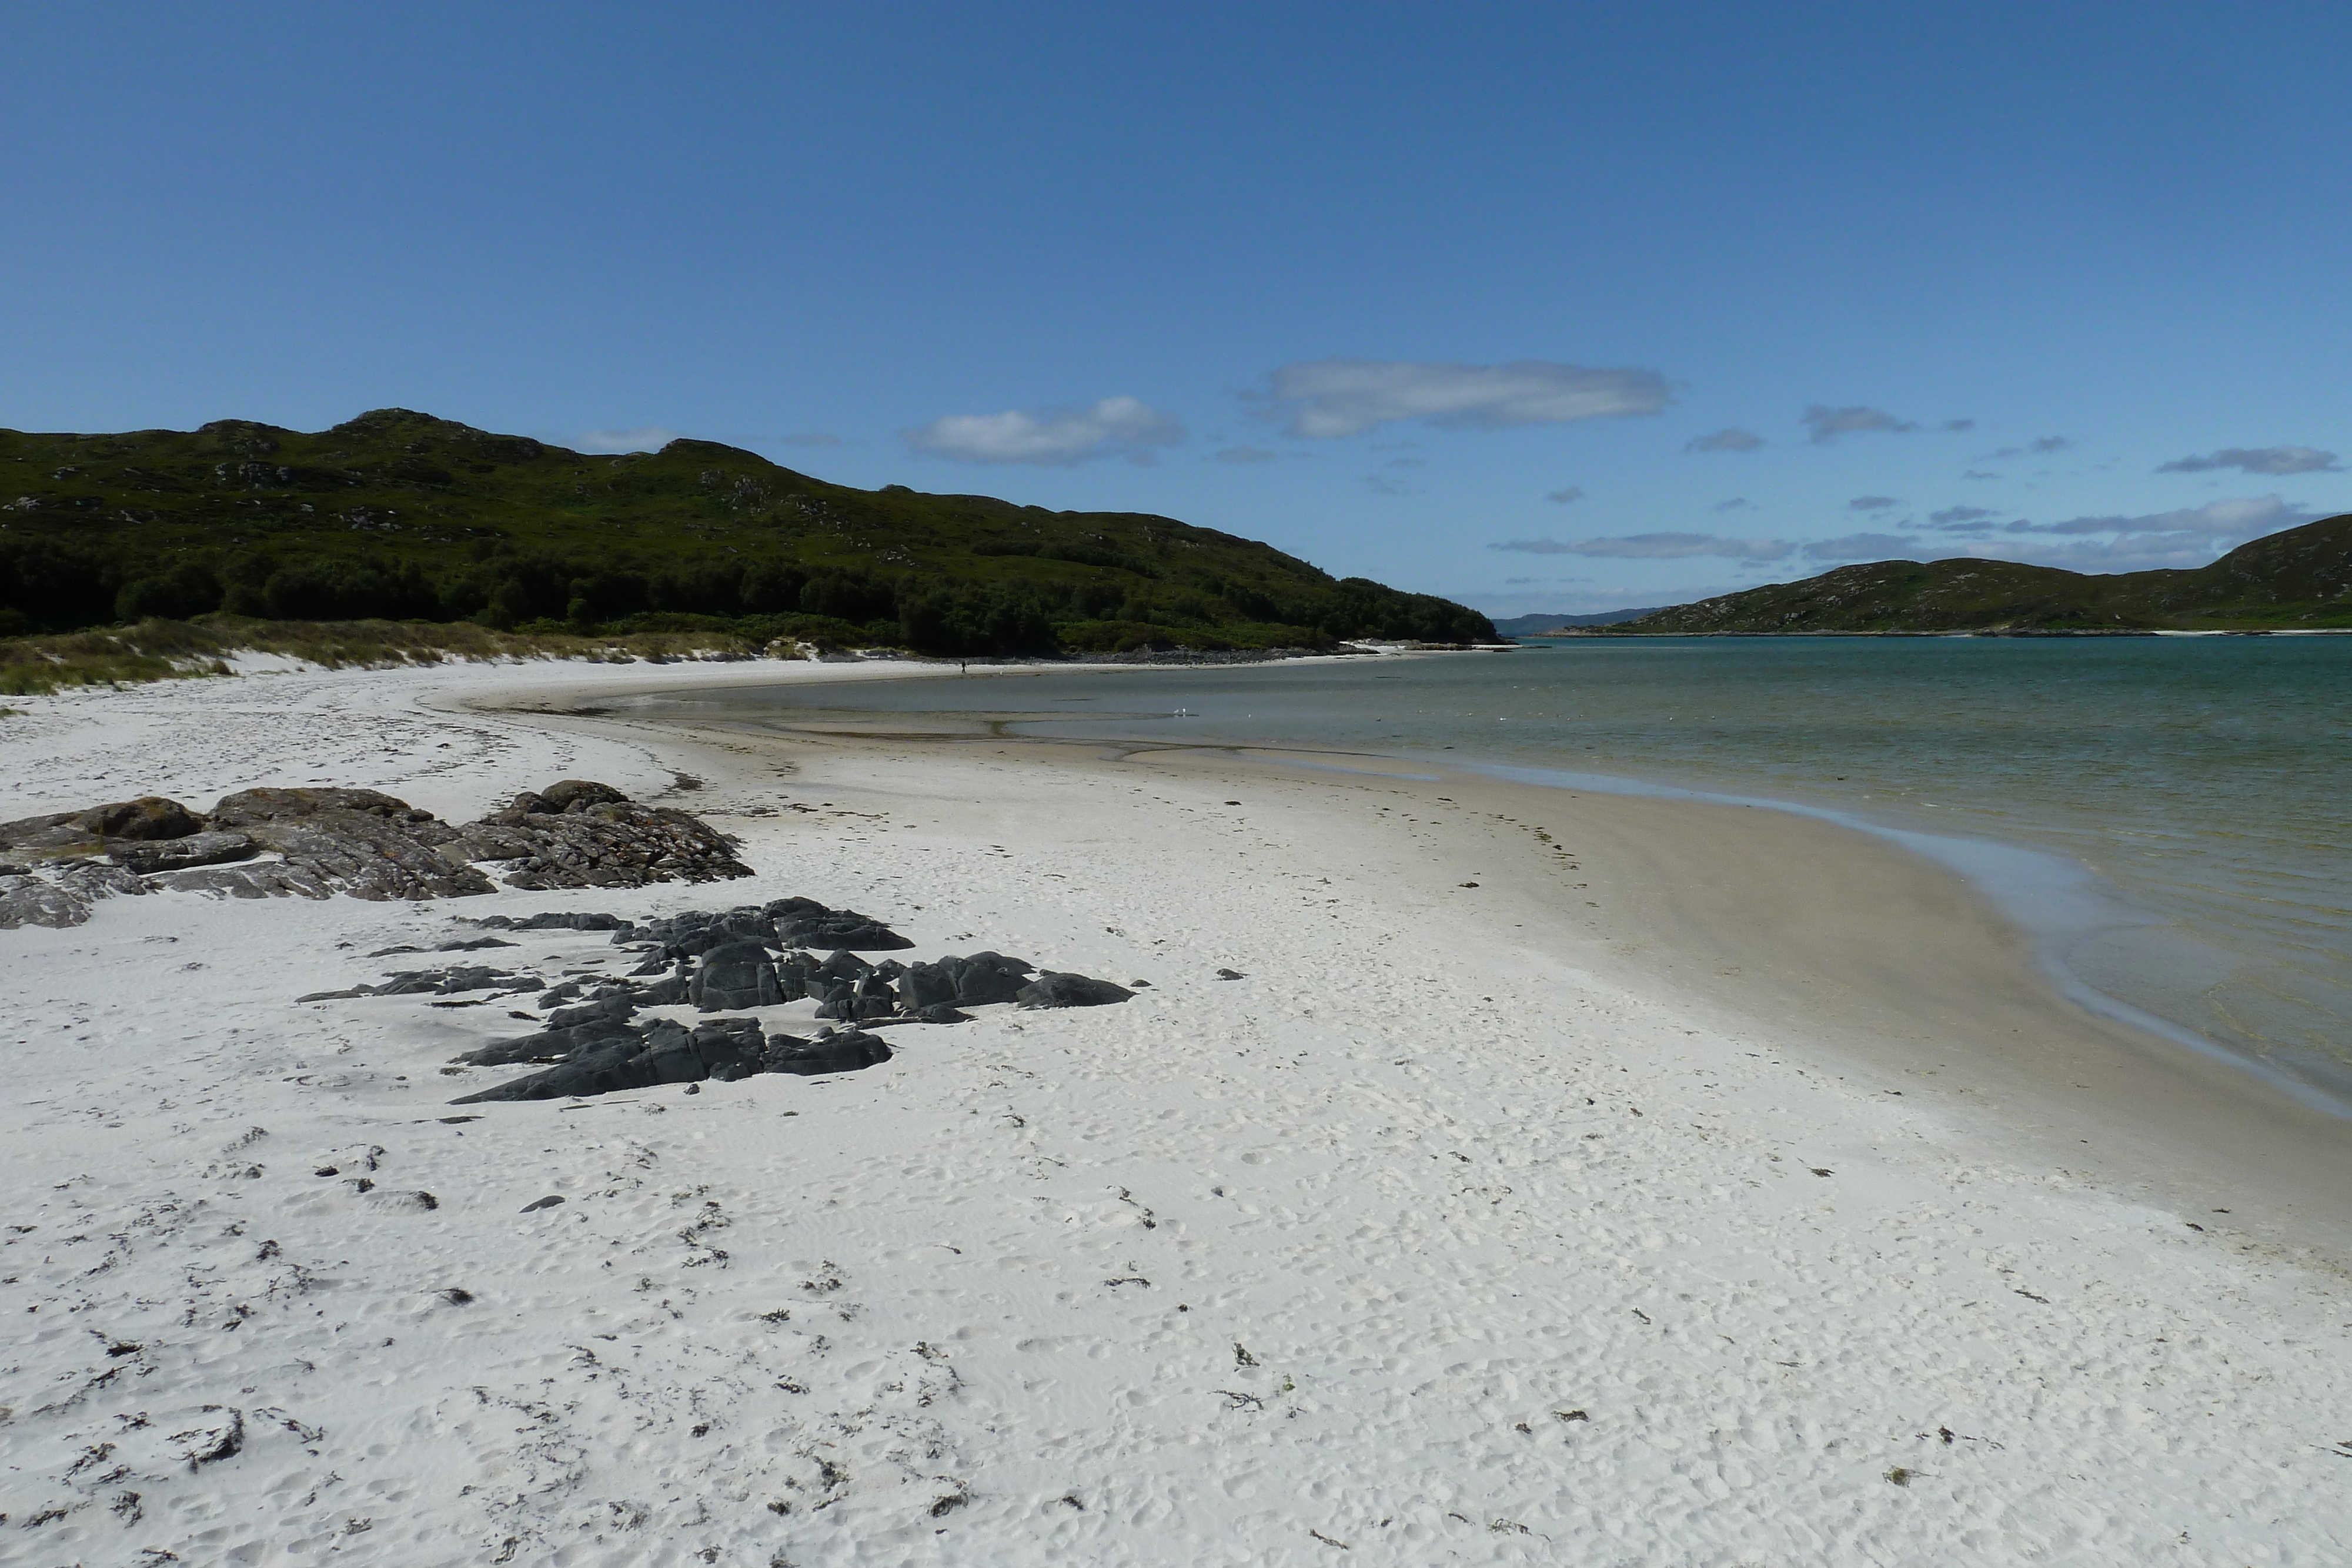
(2301,577)
(402,516)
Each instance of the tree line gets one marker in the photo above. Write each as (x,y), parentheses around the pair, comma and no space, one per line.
(49,585)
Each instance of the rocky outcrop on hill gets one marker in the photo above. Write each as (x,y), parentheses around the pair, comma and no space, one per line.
(318,842)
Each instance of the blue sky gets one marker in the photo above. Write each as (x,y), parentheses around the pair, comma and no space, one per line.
(1660,300)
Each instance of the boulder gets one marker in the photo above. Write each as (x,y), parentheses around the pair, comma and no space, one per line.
(1052,989)
(596,836)
(985,978)
(732,977)
(150,817)
(843,930)
(150,856)
(843,1050)
(576,795)
(667,991)
(551,1045)
(610,1002)
(356,842)
(926,984)
(56,829)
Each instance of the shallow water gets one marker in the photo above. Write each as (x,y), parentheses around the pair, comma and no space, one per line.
(2202,780)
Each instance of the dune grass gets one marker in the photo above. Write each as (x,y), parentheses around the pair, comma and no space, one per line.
(179,650)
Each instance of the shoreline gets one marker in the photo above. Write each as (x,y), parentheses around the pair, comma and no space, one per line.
(1492,1224)
(1924,985)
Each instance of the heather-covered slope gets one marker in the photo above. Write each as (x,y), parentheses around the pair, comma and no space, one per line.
(2301,577)
(403,516)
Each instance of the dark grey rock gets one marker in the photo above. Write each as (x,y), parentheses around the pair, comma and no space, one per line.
(577,795)
(1052,989)
(666,992)
(840,930)
(844,1050)
(732,977)
(985,978)
(611,1002)
(150,817)
(147,857)
(354,842)
(599,838)
(559,920)
(926,984)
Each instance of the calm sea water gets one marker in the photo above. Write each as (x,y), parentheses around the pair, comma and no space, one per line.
(2205,783)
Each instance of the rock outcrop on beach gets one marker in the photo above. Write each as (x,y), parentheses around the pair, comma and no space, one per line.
(319,843)
(721,963)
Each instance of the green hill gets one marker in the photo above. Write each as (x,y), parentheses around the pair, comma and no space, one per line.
(2301,577)
(401,515)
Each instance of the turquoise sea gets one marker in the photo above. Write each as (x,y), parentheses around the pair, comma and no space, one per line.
(2185,803)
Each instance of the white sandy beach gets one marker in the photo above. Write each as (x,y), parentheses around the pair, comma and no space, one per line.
(1690,1191)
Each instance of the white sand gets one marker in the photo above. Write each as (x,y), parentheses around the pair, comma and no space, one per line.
(1461,1231)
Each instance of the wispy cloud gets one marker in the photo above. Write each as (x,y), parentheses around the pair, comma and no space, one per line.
(644,438)
(1330,398)
(2257,460)
(1952,517)
(1573,492)
(1731,438)
(1870,503)
(1655,546)
(2040,447)
(1958,425)
(1736,503)
(1055,438)
(2189,537)
(1827,423)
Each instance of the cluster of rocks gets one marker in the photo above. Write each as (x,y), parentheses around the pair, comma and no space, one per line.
(736,960)
(265,843)
(664,1051)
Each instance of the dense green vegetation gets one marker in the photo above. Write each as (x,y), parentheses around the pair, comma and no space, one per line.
(402,516)
(2298,578)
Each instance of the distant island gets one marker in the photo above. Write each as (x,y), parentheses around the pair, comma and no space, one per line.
(400,515)
(2297,580)
(1537,625)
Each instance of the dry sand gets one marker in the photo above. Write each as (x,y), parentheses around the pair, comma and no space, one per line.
(1567,1218)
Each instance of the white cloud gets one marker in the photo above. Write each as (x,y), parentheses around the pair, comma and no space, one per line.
(1863,546)
(1730,438)
(1655,546)
(1247,454)
(2191,537)
(1827,423)
(1055,438)
(1573,492)
(2258,460)
(644,438)
(1870,503)
(1329,398)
